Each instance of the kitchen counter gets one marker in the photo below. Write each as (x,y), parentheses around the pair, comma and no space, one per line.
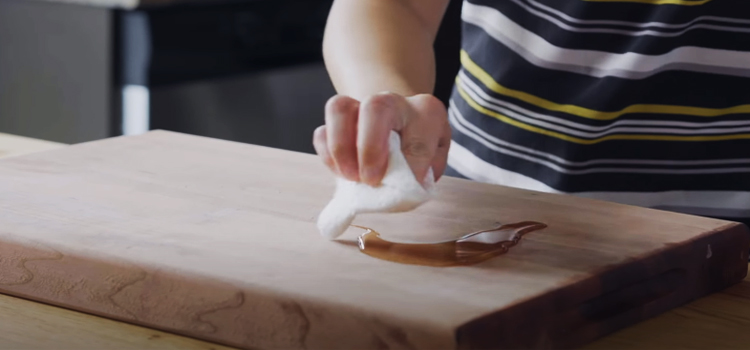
(719,321)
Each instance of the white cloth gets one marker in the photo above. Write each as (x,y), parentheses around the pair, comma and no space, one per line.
(398,192)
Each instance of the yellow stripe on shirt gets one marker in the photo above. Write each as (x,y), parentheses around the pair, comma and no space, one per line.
(486,79)
(507,120)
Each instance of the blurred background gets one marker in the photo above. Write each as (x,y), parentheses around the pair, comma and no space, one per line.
(244,70)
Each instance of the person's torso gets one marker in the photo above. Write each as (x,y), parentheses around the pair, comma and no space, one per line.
(644,102)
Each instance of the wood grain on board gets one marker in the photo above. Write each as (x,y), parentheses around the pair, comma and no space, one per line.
(30,325)
(216,240)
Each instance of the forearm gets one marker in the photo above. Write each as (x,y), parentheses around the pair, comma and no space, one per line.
(372,46)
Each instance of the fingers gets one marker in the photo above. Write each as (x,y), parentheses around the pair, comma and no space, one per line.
(320,143)
(440,160)
(378,115)
(418,150)
(354,141)
(423,140)
(341,135)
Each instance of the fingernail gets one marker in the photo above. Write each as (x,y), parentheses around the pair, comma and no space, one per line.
(369,176)
(351,175)
(376,173)
(366,175)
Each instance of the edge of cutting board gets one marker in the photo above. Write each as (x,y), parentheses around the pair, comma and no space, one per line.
(129,292)
(617,298)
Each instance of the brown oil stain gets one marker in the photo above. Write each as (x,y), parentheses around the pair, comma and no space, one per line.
(469,249)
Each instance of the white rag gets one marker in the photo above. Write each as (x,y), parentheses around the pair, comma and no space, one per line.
(398,192)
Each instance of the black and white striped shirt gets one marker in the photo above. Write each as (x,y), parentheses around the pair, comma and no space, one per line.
(644,102)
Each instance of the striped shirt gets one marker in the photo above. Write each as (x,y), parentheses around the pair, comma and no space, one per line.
(643,102)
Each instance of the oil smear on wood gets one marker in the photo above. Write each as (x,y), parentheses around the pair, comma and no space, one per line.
(469,249)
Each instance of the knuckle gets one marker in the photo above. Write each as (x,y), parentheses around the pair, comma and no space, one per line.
(338,106)
(430,107)
(369,155)
(340,152)
(429,101)
(417,148)
(381,103)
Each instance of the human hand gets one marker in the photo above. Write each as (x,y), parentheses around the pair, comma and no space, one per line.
(354,141)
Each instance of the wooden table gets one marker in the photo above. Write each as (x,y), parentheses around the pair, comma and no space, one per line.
(719,321)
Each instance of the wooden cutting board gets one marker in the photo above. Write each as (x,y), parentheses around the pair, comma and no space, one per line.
(216,240)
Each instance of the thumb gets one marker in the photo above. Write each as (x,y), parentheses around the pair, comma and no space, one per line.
(419,152)
(423,130)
